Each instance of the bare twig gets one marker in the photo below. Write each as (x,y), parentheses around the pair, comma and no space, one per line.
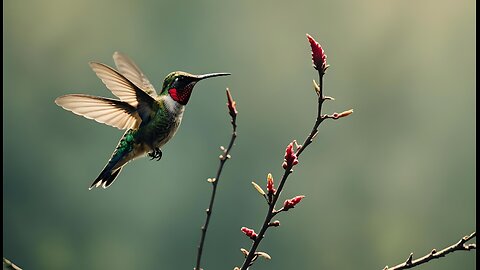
(223,158)
(7,264)
(434,254)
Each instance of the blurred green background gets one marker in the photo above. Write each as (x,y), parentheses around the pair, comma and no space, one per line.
(397,176)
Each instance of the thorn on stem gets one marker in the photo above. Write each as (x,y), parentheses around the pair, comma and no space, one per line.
(409,260)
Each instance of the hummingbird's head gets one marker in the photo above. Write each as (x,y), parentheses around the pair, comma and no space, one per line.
(179,84)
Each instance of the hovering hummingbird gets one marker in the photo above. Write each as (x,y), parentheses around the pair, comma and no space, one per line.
(150,119)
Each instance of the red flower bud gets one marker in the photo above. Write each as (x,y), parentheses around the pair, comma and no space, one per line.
(270,188)
(292,202)
(319,58)
(249,232)
(231,104)
(290,156)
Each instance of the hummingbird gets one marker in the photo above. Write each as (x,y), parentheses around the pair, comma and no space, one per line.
(150,119)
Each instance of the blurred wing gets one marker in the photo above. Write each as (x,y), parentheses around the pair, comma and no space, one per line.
(125,89)
(112,112)
(130,70)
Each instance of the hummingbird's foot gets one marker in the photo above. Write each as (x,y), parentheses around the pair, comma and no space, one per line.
(155,154)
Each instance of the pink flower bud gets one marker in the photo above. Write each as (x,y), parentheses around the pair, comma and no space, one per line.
(292,202)
(290,156)
(231,104)
(249,232)
(270,188)
(319,58)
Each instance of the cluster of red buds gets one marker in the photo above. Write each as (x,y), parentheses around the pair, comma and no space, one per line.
(290,156)
(319,58)
(249,232)
(292,202)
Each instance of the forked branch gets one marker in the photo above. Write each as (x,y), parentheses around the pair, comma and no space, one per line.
(291,159)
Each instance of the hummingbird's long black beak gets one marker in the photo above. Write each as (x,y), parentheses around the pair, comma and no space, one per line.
(211,75)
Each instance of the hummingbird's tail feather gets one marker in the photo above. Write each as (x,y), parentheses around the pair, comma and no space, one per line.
(124,152)
(106,178)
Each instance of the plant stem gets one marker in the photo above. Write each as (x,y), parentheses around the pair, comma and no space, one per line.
(460,245)
(223,159)
(288,170)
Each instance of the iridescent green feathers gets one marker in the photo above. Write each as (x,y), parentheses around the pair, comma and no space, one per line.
(111,170)
(150,119)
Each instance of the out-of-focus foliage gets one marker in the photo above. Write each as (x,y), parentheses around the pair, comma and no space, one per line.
(397,176)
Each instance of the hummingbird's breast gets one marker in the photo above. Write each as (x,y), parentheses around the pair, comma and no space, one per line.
(164,123)
(163,135)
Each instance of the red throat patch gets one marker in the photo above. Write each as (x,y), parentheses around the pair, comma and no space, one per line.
(181,96)
(173,94)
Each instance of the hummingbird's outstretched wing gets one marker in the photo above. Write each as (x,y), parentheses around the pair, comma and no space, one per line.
(125,89)
(129,69)
(108,111)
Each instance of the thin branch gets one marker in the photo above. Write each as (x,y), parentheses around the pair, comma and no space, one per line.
(460,245)
(223,158)
(288,170)
(291,157)
(7,264)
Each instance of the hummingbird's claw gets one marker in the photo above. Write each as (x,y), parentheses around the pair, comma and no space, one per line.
(155,154)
